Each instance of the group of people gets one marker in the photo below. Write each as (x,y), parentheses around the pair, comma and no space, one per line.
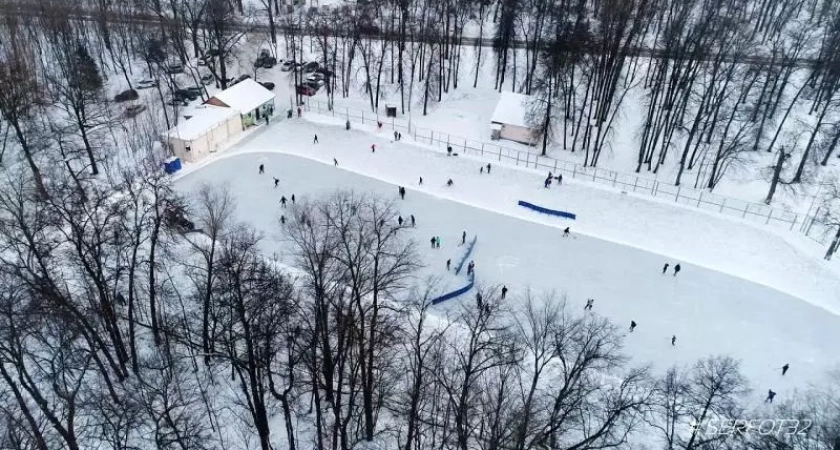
(283,199)
(411,217)
(550,177)
(677,269)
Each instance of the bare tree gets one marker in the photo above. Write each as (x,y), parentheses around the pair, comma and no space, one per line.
(214,213)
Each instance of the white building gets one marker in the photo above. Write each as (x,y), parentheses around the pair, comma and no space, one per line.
(253,102)
(509,120)
(206,131)
(221,118)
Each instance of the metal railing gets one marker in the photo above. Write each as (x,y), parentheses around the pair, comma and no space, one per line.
(810,226)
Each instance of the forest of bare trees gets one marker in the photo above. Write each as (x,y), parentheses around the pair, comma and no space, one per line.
(712,85)
(119,332)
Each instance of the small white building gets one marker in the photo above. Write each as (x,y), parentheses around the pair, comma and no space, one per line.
(250,99)
(509,120)
(205,131)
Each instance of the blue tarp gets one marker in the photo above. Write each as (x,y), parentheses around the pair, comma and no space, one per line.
(458,267)
(465,256)
(552,212)
(456,293)
(172,165)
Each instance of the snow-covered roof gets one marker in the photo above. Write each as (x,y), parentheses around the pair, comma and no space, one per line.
(245,96)
(204,119)
(512,109)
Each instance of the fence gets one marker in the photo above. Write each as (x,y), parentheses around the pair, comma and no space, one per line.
(810,226)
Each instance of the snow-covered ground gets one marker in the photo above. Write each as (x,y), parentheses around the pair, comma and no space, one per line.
(743,290)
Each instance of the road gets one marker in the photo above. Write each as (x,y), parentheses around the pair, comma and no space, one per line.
(11,8)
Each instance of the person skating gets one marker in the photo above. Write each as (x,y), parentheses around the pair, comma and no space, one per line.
(673,340)
(449,150)
(478,300)
(293,199)
(262,169)
(770,396)
(437,242)
(395,135)
(421,181)
(785,368)
(315,141)
(283,220)
(547,183)
(559,179)
(665,268)
(373,148)
(335,162)
(450,182)
(504,292)
(470,267)
(632,325)
(589,303)
(298,112)
(676,269)
(400,220)
(412,221)
(448,264)
(488,168)
(283,201)
(402,193)
(463,238)
(276,181)
(566,232)
(433,241)
(481,170)
(399,136)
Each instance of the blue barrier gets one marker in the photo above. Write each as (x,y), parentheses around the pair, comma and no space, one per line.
(456,293)
(466,255)
(552,212)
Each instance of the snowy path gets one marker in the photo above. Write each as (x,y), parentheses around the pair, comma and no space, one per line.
(710,312)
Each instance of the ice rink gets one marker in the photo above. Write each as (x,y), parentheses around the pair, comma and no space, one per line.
(709,312)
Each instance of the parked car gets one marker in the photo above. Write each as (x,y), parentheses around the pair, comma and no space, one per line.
(268,85)
(242,78)
(134,110)
(318,82)
(312,84)
(126,95)
(174,68)
(146,84)
(207,79)
(310,67)
(174,101)
(197,90)
(184,94)
(305,89)
(287,66)
(316,76)
(265,60)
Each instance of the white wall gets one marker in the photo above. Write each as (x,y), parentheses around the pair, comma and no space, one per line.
(211,141)
(518,134)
